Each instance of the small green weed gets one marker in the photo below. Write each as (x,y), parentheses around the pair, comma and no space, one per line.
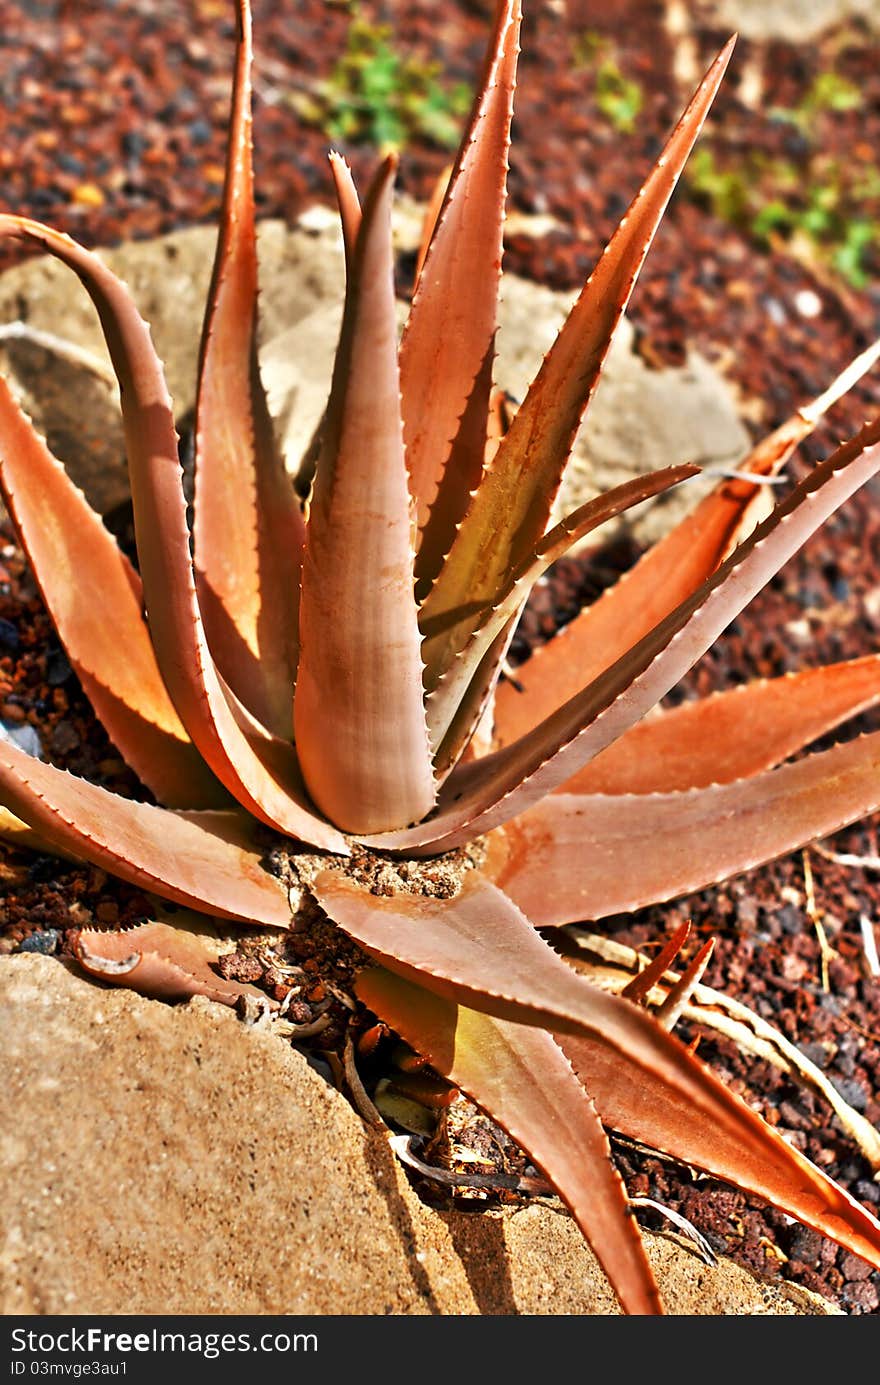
(829,91)
(618,98)
(376,95)
(825,209)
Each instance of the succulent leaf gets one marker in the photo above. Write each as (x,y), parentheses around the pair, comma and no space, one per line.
(455,644)
(607,963)
(206,860)
(471,451)
(655,1065)
(479,949)
(522,1078)
(448,341)
(664,576)
(727,1139)
(474,703)
(691,1115)
(509,512)
(564,854)
(731,735)
(161,961)
(248,527)
(490,791)
(359,713)
(95,599)
(261,771)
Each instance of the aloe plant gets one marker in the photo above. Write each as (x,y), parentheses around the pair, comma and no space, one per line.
(330,674)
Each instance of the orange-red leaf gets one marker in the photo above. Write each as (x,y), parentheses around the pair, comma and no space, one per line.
(473,704)
(662,578)
(451,328)
(731,735)
(479,950)
(205,860)
(161,961)
(95,599)
(522,1079)
(481,795)
(456,642)
(359,713)
(509,512)
(259,770)
(725,1138)
(248,527)
(580,856)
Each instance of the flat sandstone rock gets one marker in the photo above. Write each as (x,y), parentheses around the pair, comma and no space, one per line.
(797,21)
(170,1160)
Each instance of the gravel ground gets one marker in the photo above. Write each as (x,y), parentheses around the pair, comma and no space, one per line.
(114,128)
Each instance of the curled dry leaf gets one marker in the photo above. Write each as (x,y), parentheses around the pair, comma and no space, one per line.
(158,959)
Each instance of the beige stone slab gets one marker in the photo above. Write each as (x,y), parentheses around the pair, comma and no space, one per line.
(162,1160)
(798,21)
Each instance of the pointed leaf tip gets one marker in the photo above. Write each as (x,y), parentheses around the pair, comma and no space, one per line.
(359,713)
(248,529)
(446,351)
(509,512)
(348,202)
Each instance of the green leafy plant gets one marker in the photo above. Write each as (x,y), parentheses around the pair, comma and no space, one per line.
(618,98)
(828,91)
(326,680)
(376,95)
(729,193)
(829,215)
(844,240)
